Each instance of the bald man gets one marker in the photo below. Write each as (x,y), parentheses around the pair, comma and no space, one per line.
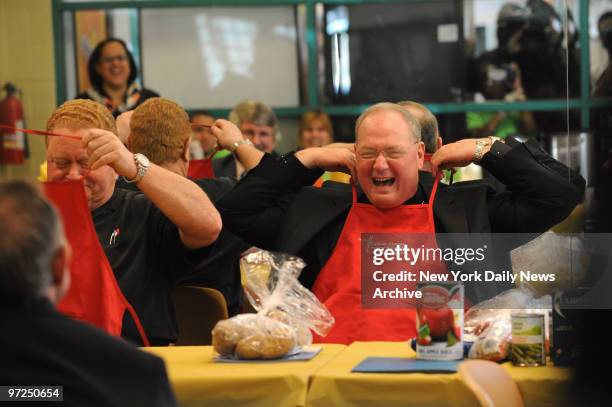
(273,207)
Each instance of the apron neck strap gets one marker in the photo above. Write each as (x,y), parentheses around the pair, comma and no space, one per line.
(427,158)
(435,188)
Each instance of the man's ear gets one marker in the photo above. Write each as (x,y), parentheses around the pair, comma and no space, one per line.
(354,178)
(420,155)
(186,149)
(438,143)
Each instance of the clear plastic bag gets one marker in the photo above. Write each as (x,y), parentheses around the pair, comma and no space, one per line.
(563,255)
(488,324)
(270,281)
(253,336)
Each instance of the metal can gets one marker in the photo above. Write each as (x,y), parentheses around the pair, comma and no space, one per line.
(440,321)
(528,342)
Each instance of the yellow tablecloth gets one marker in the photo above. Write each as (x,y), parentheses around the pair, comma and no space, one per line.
(198,381)
(334,384)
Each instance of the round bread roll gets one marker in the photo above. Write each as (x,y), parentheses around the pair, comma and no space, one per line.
(262,346)
(225,336)
(279,315)
(303,335)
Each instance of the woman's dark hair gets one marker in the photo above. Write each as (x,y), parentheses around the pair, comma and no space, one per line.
(94,59)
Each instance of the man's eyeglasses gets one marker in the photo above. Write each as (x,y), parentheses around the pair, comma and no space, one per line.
(392,153)
(250,134)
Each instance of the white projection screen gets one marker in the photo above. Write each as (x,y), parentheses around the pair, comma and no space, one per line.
(214,57)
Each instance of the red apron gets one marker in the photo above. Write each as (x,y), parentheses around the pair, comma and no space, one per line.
(338,285)
(94,295)
(201,169)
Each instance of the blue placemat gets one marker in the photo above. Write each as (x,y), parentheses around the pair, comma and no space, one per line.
(405,365)
(304,354)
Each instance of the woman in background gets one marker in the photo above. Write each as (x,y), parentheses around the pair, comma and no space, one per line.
(316,131)
(112,73)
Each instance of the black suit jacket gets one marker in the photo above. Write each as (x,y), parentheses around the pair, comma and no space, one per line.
(39,346)
(271,208)
(225,166)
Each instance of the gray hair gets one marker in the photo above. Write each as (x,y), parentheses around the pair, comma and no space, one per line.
(428,122)
(253,111)
(413,124)
(30,236)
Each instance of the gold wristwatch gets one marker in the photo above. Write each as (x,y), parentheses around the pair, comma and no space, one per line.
(481,144)
(494,139)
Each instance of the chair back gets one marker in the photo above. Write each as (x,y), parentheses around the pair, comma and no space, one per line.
(198,309)
(490,383)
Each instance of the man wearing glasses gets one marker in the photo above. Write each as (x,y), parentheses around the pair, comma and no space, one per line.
(258,125)
(143,235)
(324,225)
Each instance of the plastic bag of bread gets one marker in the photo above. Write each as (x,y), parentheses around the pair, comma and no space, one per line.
(287,312)
(253,336)
(566,256)
(271,284)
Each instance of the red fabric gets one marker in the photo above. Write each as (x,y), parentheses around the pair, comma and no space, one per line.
(94,295)
(338,285)
(201,169)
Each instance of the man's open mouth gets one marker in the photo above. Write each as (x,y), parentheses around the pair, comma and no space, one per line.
(383,181)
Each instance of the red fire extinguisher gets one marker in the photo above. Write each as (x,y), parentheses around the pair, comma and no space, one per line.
(12,143)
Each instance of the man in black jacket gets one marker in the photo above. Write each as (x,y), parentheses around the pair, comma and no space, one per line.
(274,208)
(39,346)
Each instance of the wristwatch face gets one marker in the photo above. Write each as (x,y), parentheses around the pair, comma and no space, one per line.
(142,165)
(142,160)
(238,143)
